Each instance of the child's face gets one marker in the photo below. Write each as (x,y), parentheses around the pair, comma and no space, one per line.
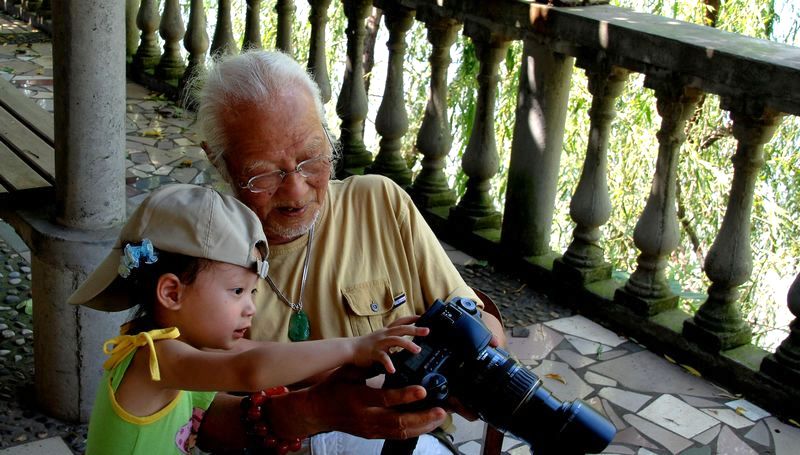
(217,309)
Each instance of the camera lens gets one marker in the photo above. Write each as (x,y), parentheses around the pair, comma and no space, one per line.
(512,398)
(550,425)
(502,387)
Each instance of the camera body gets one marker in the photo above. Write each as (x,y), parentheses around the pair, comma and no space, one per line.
(456,360)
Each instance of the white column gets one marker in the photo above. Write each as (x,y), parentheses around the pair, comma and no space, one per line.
(69,240)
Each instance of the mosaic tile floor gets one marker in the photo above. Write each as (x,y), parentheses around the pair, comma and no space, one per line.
(162,147)
(658,407)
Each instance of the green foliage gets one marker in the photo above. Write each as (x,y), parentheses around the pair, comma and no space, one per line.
(462,94)
(416,84)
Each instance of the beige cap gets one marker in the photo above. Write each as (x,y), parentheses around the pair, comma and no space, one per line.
(185,219)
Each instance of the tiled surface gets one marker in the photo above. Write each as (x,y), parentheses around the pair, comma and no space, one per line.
(658,407)
(49,446)
(161,147)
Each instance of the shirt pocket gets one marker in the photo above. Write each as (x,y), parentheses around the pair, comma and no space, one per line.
(371,306)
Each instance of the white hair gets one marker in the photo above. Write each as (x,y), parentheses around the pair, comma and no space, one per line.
(252,77)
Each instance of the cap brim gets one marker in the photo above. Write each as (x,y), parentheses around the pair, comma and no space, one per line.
(100,291)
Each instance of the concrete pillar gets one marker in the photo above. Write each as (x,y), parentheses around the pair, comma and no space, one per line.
(430,188)
(352,106)
(718,323)
(536,150)
(67,340)
(590,207)
(317,59)
(69,241)
(283,40)
(89,102)
(392,121)
(657,233)
(131,31)
(480,161)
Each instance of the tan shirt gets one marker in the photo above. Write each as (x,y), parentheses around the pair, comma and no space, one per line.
(371,246)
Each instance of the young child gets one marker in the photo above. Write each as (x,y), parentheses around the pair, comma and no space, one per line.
(190,258)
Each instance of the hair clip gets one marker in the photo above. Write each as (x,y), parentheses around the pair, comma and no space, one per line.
(262,268)
(133,253)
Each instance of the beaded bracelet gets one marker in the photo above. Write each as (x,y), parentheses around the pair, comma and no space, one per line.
(261,438)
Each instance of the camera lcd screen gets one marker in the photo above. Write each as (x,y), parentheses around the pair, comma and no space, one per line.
(415,361)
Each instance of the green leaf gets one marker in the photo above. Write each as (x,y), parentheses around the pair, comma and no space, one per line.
(27,306)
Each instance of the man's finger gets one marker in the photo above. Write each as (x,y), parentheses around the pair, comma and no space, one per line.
(405,320)
(397,397)
(420,422)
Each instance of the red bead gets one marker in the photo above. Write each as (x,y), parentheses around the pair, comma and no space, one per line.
(261,429)
(255,422)
(283,448)
(270,441)
(275,391)
(258,398)
(254,413)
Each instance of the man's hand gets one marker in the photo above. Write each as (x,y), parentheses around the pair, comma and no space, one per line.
(343,402)
(496,327)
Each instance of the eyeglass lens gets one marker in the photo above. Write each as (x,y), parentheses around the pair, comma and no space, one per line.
(312,170)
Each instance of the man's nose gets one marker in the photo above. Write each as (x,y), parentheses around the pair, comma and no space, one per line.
(294,184)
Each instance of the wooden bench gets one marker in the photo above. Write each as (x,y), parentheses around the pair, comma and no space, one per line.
(27,158)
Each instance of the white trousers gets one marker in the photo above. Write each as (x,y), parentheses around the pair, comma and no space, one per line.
(337,443)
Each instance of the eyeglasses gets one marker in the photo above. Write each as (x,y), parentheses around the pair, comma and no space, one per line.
(313,170)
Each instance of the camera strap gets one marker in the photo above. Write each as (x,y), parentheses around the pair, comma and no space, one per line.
(407,446)
(399,446)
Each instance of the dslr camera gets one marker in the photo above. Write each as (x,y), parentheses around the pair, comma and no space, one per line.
(456,360)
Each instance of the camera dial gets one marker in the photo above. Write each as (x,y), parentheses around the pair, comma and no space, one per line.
(436,386)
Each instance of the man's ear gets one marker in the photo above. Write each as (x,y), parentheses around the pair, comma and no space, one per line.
(168,291)
(220,164)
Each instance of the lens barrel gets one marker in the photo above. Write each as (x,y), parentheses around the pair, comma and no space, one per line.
(512,398)
(552,426)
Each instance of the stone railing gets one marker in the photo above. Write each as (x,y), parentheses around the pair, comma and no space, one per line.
(757,81)
(37,12)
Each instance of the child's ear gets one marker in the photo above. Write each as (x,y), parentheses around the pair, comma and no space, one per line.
(168,291)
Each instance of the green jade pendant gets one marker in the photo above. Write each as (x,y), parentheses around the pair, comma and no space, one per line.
(299,328)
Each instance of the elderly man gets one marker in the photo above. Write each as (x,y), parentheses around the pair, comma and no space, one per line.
(346,257)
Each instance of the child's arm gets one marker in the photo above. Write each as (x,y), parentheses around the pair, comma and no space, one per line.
(272,364)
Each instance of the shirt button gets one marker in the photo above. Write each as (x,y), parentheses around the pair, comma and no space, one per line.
(374,307)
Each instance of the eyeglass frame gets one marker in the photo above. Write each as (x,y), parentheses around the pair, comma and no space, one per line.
(297,169)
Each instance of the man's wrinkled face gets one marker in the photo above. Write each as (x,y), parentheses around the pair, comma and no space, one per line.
(277,136)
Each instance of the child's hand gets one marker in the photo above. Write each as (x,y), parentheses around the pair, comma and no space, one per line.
(374,348)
